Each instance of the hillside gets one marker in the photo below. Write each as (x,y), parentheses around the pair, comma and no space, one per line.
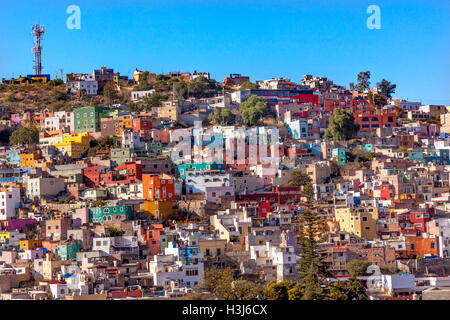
(38,96)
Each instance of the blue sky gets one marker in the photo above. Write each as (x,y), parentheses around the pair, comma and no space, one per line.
(262,39)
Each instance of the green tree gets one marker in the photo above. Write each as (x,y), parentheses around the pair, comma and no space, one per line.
(298,178)
(253,110)
(113,232)
(248,85)
(279,291)
(201,87)
(363,81)
(297,292)
(147,103)
(24,136)
(110,92)
(222,284)
(335,169)
(222,116)
(354,290)
(58,95)
(357,267)
(180,90)
(379,100)
(99,203)
(336,292)
(386,88)
(55,82)
(312,267)
(341,126)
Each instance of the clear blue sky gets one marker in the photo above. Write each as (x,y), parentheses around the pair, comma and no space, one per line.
(262,39)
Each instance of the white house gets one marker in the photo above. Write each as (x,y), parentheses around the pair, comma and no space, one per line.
(136,95)
(9,202)
(181,264)
(85,82)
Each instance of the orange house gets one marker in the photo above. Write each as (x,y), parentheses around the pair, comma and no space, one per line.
(125,123)
(158,187)
(30,244)
(419,247)
(152,236)
(406,140)
(372,121)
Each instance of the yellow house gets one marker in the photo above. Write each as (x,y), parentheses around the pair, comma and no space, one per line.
(30,244)
(28,160)
(125,122)
(170,112)
(361,221)
(158,208)
(4,237)
(212,248)
(74,144)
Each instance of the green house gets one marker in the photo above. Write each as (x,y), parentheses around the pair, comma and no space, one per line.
(181,168)
(100,214)
(87,119)
(121,155)
(338,154)
(68,250)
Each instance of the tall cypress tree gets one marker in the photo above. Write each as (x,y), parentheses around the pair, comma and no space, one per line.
(312,268)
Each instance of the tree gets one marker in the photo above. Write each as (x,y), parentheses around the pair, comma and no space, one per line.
(24,136)
(363,81)
(55,82)
(248,85)
(297,292)
(354,290)
(341,126)
(379,100)
(222,284)
(201,86)
(222,116)
(336,292)
(110,92)
(99,203)
(253,109)
(58,95)
(113,232)
(298,178)
(312,268)
(180,90)
(279,291)
(147,103)
(335,169)
(357,267)
(386,88)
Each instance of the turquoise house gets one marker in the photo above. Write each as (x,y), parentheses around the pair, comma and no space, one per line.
(368,147)
(182,168)
(68,251)
(100,214)
(338,154)
(13,157)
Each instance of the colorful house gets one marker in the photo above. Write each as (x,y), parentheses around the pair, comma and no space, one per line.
(101,214)
(182,168)
(87,119)
(158,187)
